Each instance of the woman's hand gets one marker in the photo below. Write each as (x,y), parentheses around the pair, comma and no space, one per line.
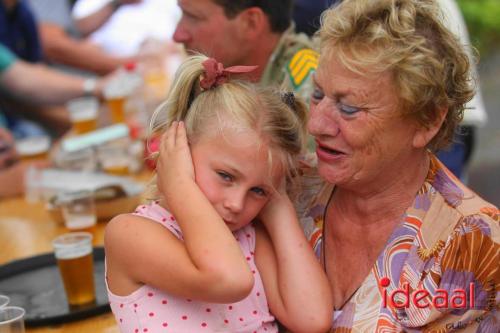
(174,167)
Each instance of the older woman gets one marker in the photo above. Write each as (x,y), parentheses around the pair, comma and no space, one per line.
(405,245)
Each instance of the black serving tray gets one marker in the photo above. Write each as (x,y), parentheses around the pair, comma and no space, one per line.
(35,284)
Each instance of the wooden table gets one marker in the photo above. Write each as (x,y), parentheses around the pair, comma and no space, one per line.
(27,230)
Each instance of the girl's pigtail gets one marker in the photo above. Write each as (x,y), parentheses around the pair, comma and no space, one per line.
(185,88)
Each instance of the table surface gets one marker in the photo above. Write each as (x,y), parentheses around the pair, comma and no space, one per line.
(27,230)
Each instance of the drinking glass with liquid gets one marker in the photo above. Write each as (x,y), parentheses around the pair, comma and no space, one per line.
(73,252)
(78,209)
(12,319)
(83,113)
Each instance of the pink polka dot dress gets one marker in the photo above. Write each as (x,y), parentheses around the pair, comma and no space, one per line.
(149,310)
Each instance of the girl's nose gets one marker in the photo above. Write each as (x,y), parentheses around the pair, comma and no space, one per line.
(234,201)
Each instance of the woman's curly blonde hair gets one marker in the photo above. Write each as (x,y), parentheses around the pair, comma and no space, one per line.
(429,66)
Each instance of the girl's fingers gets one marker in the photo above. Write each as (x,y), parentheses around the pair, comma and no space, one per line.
(168,139)
(181,136)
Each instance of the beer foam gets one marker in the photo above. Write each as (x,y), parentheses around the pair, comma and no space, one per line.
(83,114)
(33,145)
(72,253)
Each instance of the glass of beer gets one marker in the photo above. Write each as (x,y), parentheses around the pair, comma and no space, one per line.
(73,252)
(33,148)
(83,114)
(78,209)
(12,319)
(115,95)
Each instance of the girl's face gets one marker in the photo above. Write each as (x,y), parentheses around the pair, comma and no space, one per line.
(232,170)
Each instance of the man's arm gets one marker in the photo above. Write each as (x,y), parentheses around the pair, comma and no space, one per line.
(61,48)
(90,23)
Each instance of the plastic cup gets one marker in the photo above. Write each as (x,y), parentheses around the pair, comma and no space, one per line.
(114,159)
(12,319)
(115,95)
(83,114)
(4,300)
(78,209)
(33,148)
(80,160)
(73,252)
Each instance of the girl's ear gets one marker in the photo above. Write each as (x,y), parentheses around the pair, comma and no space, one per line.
(424,134)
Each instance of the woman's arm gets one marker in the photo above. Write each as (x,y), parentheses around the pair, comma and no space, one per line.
(296,287)
(208,265)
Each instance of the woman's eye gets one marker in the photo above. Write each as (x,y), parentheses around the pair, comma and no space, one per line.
(259,191)
(225,176)
(347,109)
(317,95)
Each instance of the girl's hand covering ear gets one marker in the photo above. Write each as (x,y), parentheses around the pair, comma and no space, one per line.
(174,166)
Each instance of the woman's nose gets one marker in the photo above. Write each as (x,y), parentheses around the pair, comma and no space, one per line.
(322,120)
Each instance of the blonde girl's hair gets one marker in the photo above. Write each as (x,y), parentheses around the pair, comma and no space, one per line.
(279,119)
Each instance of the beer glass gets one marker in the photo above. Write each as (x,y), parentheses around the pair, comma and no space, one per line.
(83,114)
(115,95)
(33,148)
(73,252)
(78,209)
(12,319)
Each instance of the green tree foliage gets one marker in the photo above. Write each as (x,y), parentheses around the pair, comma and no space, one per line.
(483,22)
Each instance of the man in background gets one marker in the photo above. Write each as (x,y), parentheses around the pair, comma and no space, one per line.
(239,32)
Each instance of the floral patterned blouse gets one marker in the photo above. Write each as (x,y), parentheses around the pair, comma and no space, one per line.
(439,271)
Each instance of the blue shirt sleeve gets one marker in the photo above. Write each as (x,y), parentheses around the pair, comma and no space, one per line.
(7,58)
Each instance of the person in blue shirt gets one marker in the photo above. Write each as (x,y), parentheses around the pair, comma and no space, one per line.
(18,30)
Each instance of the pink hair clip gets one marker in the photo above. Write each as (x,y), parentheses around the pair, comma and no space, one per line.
(215,73)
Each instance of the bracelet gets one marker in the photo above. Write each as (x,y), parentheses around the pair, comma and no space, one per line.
(89,86)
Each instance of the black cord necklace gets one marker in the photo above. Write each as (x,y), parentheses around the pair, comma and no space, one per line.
(323,252)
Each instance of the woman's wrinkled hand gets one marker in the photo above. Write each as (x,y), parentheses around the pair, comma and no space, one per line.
(174,167)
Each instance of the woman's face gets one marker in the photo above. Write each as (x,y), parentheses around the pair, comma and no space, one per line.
(362,141)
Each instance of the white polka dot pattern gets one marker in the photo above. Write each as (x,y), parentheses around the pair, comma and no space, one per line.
(149,310)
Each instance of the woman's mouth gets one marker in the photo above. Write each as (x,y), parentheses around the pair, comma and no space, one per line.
(328,154)
(330,151)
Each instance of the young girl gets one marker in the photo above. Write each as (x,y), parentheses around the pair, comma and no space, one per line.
(222,251)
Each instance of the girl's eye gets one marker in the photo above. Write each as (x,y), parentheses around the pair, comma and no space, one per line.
(347,109)
(259,191)
(225,176)
(317,95)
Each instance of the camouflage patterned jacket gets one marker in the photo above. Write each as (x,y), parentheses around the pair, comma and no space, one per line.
(291,64)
